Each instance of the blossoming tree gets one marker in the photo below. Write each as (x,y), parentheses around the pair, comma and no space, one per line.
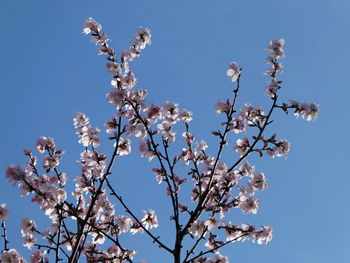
(85,225)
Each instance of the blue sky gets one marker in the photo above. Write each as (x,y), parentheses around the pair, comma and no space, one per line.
(49,71)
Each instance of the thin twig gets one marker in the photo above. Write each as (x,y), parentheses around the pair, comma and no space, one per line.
(4,235)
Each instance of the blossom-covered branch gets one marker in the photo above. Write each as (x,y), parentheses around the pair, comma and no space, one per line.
(86,225)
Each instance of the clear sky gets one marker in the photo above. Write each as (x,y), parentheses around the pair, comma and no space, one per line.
(49,71)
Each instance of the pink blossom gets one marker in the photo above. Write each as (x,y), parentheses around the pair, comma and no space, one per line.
(211,223)
(62,178)
(116,97)
(259,182)
(37,256)
(114,250)
(107,50)
(221,106)
(238,126)
(29,241)
(188,137)
(111,125)
(247,169)
(135,129)
(90,136)
(252,115)
(283,147)
(272,88)
(100,40)
(138,96)
(218,259)
(185,116)
(124,147)
(113,68)
(136,228)
(4,213)
(80,119)
(91,25)
(98,238)
(187,155)
(50,162)
(276,48)
(124,223)
(27,226)
(232,231)
(233,72)
(158,173)
(11,256)
(168,134)
(154,113)
(129,55)
(14,173)
(201,147)
(212,244)
(150,219)
(170,112)
(263,235)
(271,152)
(143,37)
(44,143)
(276,67)
(183,208)
(312,112)
(145,150)
(30,165)
(249,204)
(242,146)
(308,111)
(197,228)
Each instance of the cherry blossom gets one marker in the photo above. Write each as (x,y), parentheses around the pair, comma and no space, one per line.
(263,235)
(11,256)
(145,150)
(242,146)
(276,48)
(150,219)
(38,256)
(44,143)
(197,228)
(283,147)
(218,259)
(124,147)
(4,215)
(233,72)
(308,111)
(221,107)
(124,223)
(249,204)
(272,88)
(14,173)
(91,25)
(211,223)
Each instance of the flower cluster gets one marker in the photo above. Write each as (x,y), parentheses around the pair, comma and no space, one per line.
(308,111)
(28,228)
(88,134)
(47,188)
(276,52)
(11,256)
